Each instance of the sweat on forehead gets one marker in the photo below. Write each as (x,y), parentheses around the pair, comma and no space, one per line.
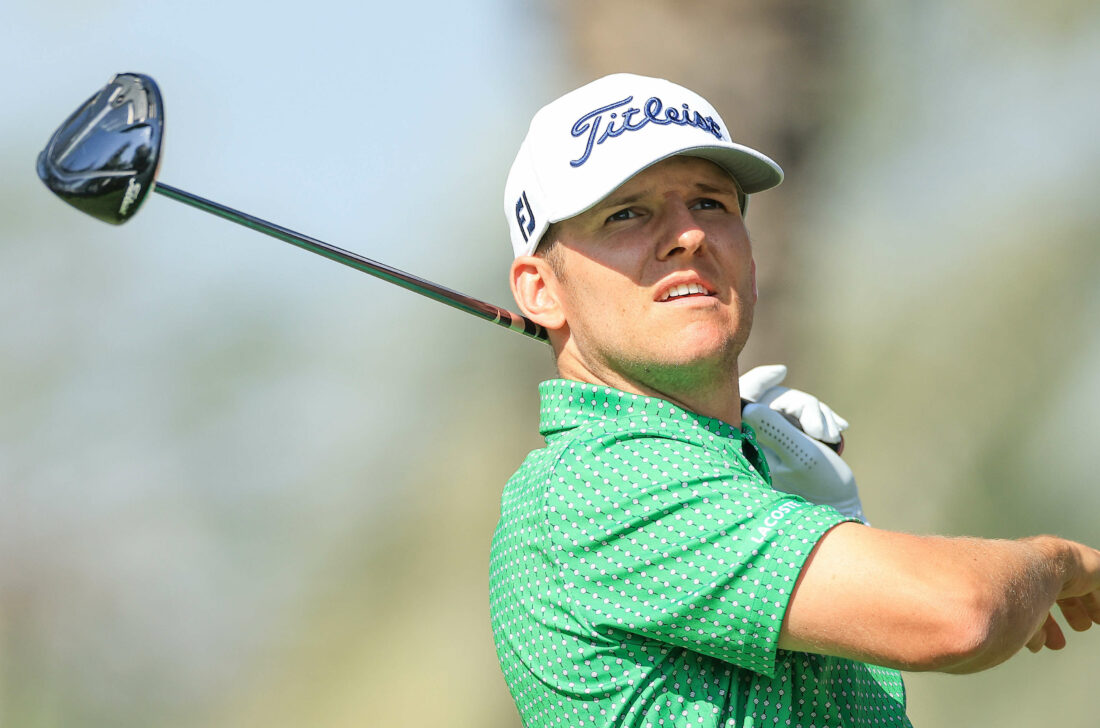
(586,144)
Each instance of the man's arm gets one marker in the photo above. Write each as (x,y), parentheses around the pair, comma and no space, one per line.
(930,603)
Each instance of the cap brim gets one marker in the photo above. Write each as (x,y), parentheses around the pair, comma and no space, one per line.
(752,171)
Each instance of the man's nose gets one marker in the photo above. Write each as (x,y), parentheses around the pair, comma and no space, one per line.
(681,233)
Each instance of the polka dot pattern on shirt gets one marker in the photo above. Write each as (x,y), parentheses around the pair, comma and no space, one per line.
(640,572)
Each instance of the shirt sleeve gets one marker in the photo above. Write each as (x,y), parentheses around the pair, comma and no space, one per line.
(679,543)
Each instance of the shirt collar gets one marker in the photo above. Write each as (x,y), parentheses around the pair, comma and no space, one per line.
(566,404)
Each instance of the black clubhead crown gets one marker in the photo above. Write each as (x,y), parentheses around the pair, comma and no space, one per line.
(103,159)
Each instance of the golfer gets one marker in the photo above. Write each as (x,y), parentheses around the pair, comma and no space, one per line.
(645,571)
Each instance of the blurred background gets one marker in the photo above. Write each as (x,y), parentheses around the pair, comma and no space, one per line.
(244,486)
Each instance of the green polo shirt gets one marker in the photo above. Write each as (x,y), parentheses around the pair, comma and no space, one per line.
(640,571)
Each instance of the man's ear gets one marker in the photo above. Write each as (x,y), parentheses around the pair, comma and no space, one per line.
(537,291)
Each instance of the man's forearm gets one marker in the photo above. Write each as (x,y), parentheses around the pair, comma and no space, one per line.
(931,603)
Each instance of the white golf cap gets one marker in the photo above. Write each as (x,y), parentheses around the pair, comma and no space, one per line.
(582,146)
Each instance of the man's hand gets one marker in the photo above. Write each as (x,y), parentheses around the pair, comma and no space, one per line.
(799,461)
(1079,602)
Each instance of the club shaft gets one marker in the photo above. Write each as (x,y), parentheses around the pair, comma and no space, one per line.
(481,309)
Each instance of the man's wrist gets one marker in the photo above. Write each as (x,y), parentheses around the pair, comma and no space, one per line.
(1058,556)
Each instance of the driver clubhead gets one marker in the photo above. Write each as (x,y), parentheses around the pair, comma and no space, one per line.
(103,159)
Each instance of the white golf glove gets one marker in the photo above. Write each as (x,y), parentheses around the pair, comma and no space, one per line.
(799,461)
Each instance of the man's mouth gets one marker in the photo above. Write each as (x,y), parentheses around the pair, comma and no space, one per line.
(684,289)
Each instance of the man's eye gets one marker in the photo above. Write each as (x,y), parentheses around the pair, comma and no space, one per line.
(709,204)
(626,214)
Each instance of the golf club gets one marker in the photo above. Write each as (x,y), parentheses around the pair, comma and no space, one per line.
(103,160)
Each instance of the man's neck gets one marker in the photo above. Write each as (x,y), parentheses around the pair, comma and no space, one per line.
(718,397)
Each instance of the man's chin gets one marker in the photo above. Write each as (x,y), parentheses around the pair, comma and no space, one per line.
(701,348)
(689,355)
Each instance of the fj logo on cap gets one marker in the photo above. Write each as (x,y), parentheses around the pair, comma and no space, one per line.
(653,110)
(524,217)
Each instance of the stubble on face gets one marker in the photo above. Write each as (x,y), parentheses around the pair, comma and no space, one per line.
(688,363)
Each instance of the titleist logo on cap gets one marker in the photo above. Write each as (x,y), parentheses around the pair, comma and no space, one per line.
(653,110)
(635,121)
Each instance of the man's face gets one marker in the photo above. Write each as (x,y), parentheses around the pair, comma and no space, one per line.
(657,282)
